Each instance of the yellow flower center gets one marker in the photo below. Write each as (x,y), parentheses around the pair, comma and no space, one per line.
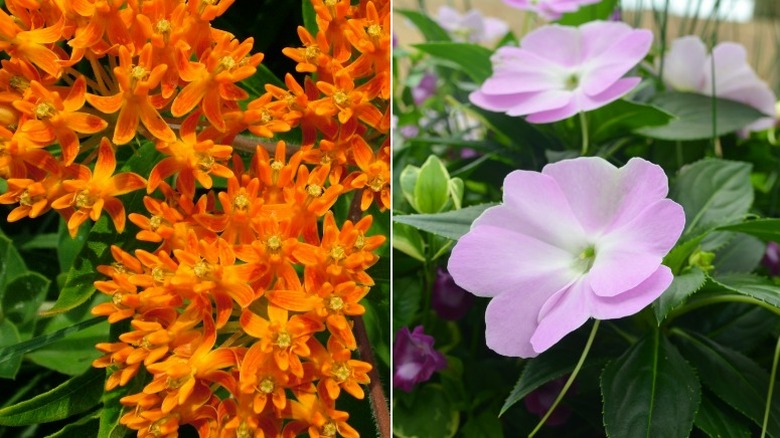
(340,372)
(119,267)
(158,274)
(360,242)
(283,339)
(201,269)
(117,298)
(45,110)
(340,98)
(311,53)
(155,222)
(266,386)
(376,183)
(226,63)
(328,429)
(335,303)
(266,116)
(19,83)
(273,243)
(374,30)
(84,199)
(330,3)
(241,202)
(176,383)
(138,73)
(243,430)
(314,190)
(25,199)
(205,162)
(163,26)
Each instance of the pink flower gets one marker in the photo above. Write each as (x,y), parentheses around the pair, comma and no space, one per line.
(414,358)
(549,9)
(581,239)
(559,71)
(688,67)
(471,26)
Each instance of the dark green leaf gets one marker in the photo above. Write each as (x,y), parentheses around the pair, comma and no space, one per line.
(682,287)
(694,117)
(718,421)
(11,263)
(599,11)
(23,295)
(429,414)
(743,253)
(409,241)
(548,366)
(621,117)
(451,224)
(255,84)
(733,377)
(650,391)
(41,241)
(764,229)
(74,396)
(69,247)
(472,59)
(407,299)
(86,426)
(713,192)
(429,28)
(309,17)
(754,286)
(483,425)
(15,351)
(9,337)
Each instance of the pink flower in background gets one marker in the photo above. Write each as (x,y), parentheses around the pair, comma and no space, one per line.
(559,71)
(688,67)
(581,239)
(549,9)
(471,26)
(424,89)
(414,358)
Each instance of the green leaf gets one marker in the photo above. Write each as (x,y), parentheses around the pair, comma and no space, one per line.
(309,17)
(429,414)
(407,299)
(23,295)
(483,425)
(450,224)
(14,351)
(41,241)
(717,420)
(742,253)
(72,397)
(733,377)
(678,257)
(11,263)
(255,84)
(408,179)
(622,117)
(599,11)
(713,192)
(650,391)
(86,426)
(754,286)
(429,28)
(764,229)
(9,337)
(548,366)
(472,59)
(694,117)
(432,188)
(409,241)
(69,247)
(457,189)
(678,292)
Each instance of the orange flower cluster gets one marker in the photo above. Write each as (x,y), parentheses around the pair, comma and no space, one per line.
(241,318)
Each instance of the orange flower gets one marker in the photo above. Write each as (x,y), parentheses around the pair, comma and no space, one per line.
(30,45)
(374,175)
(332,20)
(339,370)
(320,417)
(347,101)
(22,154)
(313,56)
(133,102)
(92,192)
(62,116)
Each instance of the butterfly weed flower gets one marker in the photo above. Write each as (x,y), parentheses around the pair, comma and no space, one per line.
(559,71)
(582,239)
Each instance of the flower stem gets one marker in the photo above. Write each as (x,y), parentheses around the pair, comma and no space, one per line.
(569,382)
(771,388)
(733,298)
(584,128)
(375,392)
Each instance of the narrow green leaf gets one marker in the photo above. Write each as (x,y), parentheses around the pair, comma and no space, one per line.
(694,117)
(86,426)
(450,224)
(472,59)
(11,263)
(764,229)
(713,192)
(309,17)
(718,421)
(598,11)
(733,377)
(41,241)
(754,286)
(429,28)
(9,337)
(678,292)
(74,396)
(17,350)
(650,391)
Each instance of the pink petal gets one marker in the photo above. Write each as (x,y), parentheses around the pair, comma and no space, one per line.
(521,104)
(556,114)
(489,261)
(683,64)
(612,93)
(634,300)
(561,314)
(560,44)
(601,70)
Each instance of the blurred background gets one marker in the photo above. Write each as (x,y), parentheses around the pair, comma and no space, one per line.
(753,23)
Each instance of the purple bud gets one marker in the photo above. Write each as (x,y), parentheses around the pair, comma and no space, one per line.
(414,358)
(772,259)
(539,401)
(424,89)
(449,300)
(467,153)
(409,131)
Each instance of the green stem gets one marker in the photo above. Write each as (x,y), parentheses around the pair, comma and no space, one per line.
(584,128)
(771,388)
(569,382)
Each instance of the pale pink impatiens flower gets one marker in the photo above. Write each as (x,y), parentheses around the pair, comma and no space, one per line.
(549,9)
(582,239)
(559,71)
(471,26)
(688,67)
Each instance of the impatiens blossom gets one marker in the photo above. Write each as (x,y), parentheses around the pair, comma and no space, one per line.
(549,9)
(424,89)
(471,26)
(559,71)
(688,67)
(582,239)
(449,300)
(414,358)
(771,260)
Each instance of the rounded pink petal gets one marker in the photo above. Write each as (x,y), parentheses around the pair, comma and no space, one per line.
(561,314)
(612,93)
(627,256)
(603,69)
(683,64)
(633,300)
(560,44)
(555,115)
(521,104)
(489,261)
